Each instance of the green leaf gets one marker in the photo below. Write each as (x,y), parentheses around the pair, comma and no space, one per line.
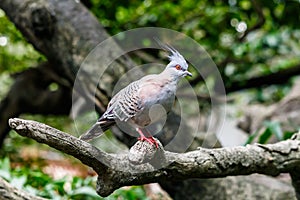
(265,136)
(288,134)
(275,128)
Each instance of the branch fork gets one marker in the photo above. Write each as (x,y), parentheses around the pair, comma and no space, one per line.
(144,163)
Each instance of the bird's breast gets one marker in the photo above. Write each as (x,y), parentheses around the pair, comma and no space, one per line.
(156,104)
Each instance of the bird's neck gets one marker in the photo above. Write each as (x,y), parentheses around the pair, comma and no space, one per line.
(169,74)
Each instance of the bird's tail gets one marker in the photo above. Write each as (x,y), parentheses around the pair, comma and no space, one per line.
(97,129)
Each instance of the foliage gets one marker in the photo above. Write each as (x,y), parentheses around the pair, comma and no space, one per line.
(15,53)
(270,128)
(245,38)
(40,184)
(132,193)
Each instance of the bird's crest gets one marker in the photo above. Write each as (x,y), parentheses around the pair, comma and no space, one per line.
(174,54)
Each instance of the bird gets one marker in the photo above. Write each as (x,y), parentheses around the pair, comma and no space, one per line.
(133,103)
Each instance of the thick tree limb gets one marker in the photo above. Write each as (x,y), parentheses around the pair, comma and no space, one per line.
(116,170)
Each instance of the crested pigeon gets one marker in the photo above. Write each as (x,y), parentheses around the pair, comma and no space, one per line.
(133,103)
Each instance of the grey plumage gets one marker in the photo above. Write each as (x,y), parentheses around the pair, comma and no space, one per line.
(133,103)
(123,106)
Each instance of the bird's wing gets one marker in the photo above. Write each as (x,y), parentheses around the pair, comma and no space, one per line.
(97,129)
(125,104)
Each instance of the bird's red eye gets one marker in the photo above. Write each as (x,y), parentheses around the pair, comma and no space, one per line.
(178,67)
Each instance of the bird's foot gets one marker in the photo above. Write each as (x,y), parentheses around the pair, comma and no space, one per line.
(151,140)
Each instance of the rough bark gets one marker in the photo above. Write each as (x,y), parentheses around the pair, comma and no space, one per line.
(8,192)
(134,168)
(295,174)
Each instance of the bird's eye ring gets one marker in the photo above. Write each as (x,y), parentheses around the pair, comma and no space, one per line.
(178,67)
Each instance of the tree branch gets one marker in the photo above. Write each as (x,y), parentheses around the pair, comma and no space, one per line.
(134,168)
(279,77)
(9,192)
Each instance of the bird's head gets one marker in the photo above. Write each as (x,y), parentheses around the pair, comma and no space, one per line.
(178,65)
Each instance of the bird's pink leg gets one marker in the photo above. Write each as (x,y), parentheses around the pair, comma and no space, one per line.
(146,137)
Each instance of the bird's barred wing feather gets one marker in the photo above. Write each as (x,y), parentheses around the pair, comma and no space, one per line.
(97,129)
(125,104)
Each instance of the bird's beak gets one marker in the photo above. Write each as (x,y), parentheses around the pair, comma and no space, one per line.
(188,73)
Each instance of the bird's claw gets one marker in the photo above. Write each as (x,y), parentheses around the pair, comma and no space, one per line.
(151,140)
